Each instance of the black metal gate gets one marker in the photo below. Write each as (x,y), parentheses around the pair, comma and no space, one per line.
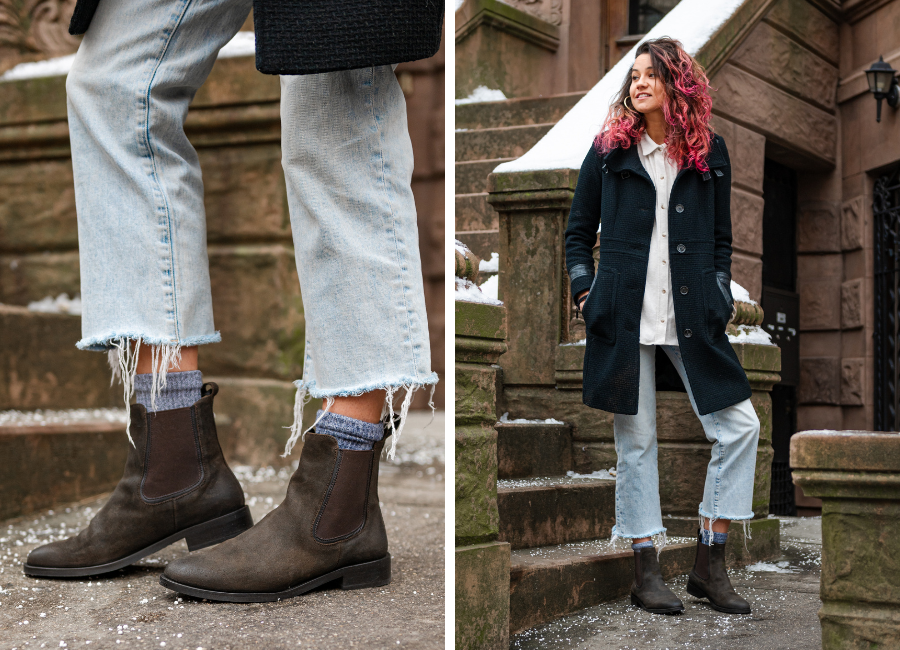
(886,208)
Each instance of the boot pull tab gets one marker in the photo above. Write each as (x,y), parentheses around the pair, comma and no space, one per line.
(210,388)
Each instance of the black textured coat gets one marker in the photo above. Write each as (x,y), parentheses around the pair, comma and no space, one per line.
(312,36)
(617,190)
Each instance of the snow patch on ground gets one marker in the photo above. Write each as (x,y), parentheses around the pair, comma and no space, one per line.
(43,418)
(482,94)
(600,473)
(692,22)
(780,567)
(59,305)
(459,3)
(505,420)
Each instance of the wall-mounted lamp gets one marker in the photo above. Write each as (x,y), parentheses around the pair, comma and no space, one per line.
(883,83)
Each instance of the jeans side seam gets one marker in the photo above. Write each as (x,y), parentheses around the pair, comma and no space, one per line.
(155,171)
(403,287)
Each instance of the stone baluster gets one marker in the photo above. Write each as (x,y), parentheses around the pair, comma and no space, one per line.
(482,562)
(857,476)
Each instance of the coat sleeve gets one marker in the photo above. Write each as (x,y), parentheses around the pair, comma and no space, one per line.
(584,219)
(722,225)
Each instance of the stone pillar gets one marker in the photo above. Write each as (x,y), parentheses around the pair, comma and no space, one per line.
(857,476)
(534,209)
(482,563)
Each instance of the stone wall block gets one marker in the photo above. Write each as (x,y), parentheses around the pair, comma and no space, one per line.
(852,304)
(818,227)
(852,224)
(25,277)
(263,332)
(746,270)
(820,380)
(477,514)
(477,387)
(747,221)
(482,596)
(852,382)
(820,304)
(38,207)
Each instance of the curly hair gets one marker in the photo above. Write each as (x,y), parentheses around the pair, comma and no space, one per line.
(686,107)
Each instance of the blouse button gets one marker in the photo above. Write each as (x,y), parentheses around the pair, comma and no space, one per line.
(679,208)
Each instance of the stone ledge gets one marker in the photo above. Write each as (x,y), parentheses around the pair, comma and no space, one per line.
(48,466)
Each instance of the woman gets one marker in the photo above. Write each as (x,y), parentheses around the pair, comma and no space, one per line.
(659,179)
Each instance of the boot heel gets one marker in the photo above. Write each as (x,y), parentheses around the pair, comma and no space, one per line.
(219,529)
(696,592)
(634,601)
(370,574)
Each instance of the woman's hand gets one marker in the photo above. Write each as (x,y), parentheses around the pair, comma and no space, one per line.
(580,299)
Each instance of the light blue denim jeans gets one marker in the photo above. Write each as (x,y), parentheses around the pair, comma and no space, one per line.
(348,164)
(728,492)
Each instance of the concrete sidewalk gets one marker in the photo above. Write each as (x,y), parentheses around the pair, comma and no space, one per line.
(129,609)
(784,595)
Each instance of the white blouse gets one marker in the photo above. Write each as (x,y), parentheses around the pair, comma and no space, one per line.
(658,310)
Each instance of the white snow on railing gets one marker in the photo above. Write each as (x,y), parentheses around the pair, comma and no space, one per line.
(693,22)
(243,44)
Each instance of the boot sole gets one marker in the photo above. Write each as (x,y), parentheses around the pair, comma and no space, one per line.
(697,592)
(662,610)
(376,573)
(199,536)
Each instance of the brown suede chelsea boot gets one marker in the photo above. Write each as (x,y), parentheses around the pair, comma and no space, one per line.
(709,579)
(649,590)
(176,485)
(328,529)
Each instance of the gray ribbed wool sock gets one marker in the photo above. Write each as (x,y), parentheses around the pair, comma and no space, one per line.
(350,433)
(640,545)
(718,538)
(182,390)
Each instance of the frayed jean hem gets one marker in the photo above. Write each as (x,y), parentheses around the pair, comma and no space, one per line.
(105,343)
(307,390)
(656,531)
(706,515)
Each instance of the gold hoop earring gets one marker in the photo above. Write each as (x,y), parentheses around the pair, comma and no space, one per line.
(625,101)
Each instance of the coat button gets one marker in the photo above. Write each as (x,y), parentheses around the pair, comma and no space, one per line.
(679,208)
(688,334)
(684,291)
(680,248)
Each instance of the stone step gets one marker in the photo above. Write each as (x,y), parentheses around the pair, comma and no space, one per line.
(481,242)
(515,112)
(471,177)
(56,457)
(553,581)
(554,510)
(473,212)
(499,142)
(40,367)
(533,449)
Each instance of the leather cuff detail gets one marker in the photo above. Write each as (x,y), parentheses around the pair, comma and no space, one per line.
(173,462)
(343,513)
